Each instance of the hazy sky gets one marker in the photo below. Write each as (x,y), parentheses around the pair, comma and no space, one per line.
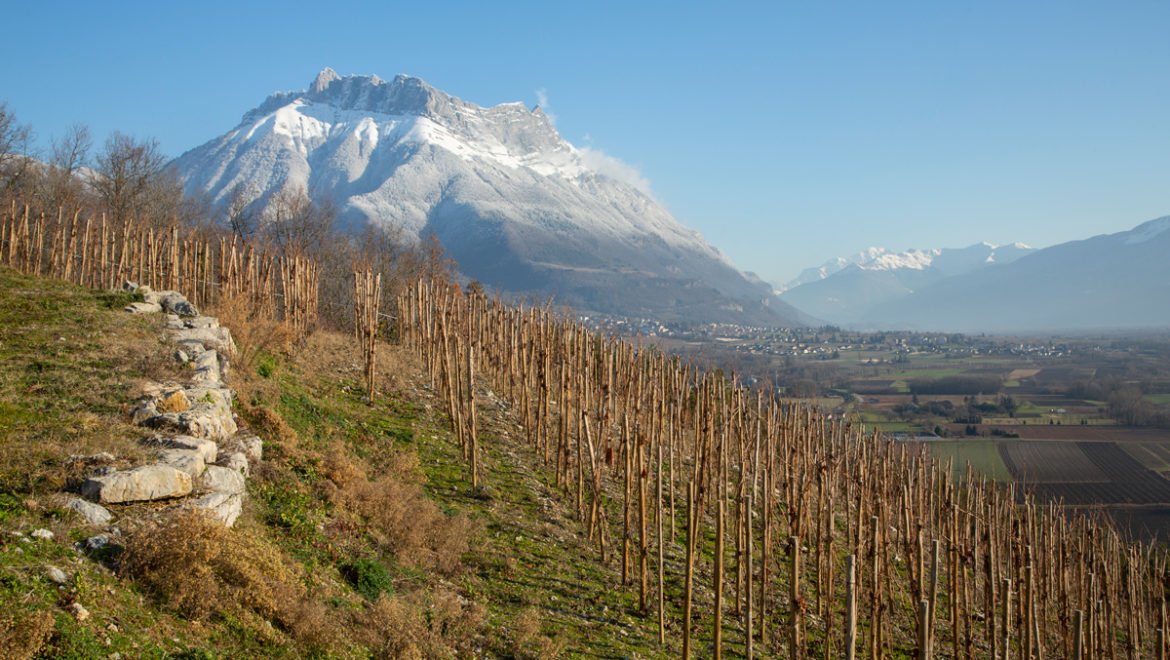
(788,133)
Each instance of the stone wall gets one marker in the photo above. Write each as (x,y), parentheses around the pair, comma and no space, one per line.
(201,457)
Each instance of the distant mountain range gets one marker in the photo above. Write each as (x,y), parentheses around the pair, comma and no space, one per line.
(516,205)
(846,289)
(1113,281)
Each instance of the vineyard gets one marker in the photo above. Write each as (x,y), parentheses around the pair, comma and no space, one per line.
(820,540)
(93,252)
(746,525)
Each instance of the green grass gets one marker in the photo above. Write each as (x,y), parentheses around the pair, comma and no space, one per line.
(982,454)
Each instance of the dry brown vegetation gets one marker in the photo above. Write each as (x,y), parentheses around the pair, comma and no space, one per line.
(201,569)
(253,332)
(22,634)
(436,624)
(397,514)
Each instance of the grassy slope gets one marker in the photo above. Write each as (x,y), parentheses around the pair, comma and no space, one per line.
(529,585)
(346,485)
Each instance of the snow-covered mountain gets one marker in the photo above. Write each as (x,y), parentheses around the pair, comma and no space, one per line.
(846,289)
(516,205)
(1117,281)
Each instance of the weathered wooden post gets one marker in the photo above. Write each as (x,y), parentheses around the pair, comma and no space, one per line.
(851,608)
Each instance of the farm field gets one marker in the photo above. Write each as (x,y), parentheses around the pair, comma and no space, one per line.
(1057,416)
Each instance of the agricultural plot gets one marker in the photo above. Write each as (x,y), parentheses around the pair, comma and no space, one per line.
(983,456)
(1153,455)
(1126,481)
(1040,462)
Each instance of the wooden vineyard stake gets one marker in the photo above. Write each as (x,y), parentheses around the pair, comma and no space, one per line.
(692,534)
(924,629)
(796,600)
(367,296)
(718,574)
(1079,635)
(1007,618)
(851,608)
(932,596)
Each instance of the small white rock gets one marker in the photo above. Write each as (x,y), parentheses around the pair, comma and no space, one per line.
(42,533)
(56,575)
(79,612)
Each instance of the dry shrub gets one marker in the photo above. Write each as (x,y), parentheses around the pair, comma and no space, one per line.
(201,568)
(22,634)
(268,424)
(312,624)
(527,641)
(437,624)
(253,333)
(338,468)
(405,522)
(395,510)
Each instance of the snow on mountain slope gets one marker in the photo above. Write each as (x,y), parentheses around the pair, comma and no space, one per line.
(516,205)
(846,289)
(952,261)
(1119,280)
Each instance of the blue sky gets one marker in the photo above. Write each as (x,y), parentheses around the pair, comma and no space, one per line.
(788,133)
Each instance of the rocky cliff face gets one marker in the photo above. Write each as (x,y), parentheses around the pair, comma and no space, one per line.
(516,205)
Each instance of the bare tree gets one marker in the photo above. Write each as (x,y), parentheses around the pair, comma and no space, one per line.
(61,185)
(15,145)
(133,181)
(297,225)
(243,219)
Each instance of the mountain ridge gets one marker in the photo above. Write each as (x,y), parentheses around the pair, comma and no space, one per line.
(1105,281)
(846,289)
(515,204)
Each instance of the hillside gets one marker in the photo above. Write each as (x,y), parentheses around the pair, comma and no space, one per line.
(351,500)
(516,205)
(362,535)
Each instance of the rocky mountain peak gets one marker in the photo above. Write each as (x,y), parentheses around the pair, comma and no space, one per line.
(323,79)
(518,206)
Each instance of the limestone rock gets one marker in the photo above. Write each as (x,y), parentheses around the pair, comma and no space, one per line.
(149,482)
(210,415)
(236,461)
(207,368)
(42,533)
(94,514)
(219,339)
(207,449)
(216,479)
(248,444)
(143,411)
(143,308)
(56,575)
(96,542)
(191,347)
(224,507)
(176,401)
(79,612)
(187,460)
(201,322)
(176,303)
(99,458)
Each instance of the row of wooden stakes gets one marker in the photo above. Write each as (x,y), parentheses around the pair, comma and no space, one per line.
(89,250)
(713,481)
